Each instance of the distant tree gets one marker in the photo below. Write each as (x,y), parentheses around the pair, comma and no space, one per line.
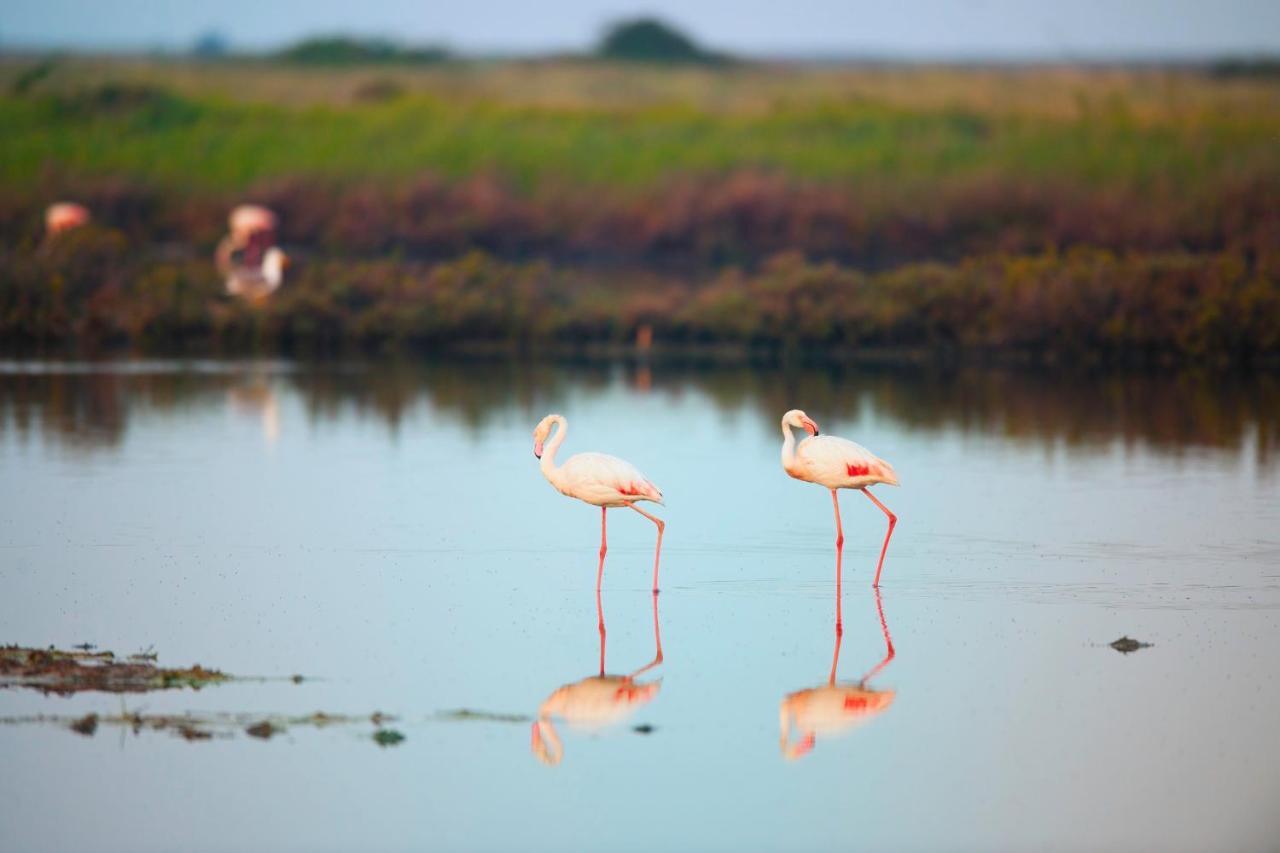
(210,45)
(651,40)
(343,50)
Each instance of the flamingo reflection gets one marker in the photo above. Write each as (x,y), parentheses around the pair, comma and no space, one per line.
(596,702)
(834,708)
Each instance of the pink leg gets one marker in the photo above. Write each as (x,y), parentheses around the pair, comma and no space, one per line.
(835,501)
(600,617)
(893,519)
(604,547)
(657,555)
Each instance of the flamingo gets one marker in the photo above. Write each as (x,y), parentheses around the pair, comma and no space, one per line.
(598,479)
(254,283)
(836,463)
(833,708)
(596,702)
(64,216)
(247,220)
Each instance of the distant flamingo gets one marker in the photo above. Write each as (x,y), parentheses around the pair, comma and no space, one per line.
(832,708)
(64,216)
(247,220)
(596,702)
(836,463)
(247,281)
(598,479)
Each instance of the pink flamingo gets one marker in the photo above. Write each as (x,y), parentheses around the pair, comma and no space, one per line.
(64,216)
(248,220)
(598,479)
(836,463)
(834,708)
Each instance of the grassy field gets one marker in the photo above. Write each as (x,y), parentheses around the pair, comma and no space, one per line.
(1106,211)
(227,126)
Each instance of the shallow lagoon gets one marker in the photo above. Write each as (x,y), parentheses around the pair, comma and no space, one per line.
(384,531)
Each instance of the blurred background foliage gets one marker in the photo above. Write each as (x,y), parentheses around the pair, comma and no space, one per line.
(432,201)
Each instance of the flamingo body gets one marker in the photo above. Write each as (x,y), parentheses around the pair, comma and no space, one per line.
(836,463)
(65,216)
(603,480)
(598,479)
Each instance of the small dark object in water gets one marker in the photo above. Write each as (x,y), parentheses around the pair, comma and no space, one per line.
(263,730)
(86,725)
(1127,645)
(387,737)
(643,729)
(297,679)
(85,647)
(192,733)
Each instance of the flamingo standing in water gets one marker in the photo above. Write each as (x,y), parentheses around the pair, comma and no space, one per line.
(598,479)
(836,463)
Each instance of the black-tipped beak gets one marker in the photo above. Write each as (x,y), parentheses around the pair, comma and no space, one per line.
(810,426)
(537,455)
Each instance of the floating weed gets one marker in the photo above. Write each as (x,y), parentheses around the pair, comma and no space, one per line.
(387,737)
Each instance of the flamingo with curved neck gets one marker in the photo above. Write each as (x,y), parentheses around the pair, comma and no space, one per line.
(598,479)
(836,463)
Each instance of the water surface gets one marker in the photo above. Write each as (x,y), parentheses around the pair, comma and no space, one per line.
(385,529)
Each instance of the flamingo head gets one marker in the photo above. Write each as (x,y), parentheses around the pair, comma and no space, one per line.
(540,433)
(797,419)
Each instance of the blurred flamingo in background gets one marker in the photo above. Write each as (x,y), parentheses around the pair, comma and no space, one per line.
(64,216)
(596,702)
(598,479)
(248,257)
(249,220)
(252,282)
(836,463)
(832,708)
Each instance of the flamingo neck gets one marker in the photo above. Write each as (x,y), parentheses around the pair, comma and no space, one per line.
(788,448)
(548,461)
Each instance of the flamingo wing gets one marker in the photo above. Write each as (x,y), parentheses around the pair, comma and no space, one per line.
(839,463)
(606,480)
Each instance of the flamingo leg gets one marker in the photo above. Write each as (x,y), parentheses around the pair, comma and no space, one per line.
(600,617)
(657,554)
(604,548)
(893,519)
(835,658)
(657,639)
(835,501)
(888,641)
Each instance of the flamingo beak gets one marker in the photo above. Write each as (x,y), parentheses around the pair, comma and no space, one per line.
(537,448)
(809,426)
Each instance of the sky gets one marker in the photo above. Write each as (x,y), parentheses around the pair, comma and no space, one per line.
(1053,29)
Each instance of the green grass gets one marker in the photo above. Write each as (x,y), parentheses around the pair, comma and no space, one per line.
(208,140)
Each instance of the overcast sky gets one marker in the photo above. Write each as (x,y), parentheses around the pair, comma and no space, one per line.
(906,28)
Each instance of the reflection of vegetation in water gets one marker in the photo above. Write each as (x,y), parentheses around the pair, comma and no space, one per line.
(203,727)
(1171,413)
(66,672)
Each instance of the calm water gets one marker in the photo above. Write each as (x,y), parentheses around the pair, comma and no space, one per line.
(386,530)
